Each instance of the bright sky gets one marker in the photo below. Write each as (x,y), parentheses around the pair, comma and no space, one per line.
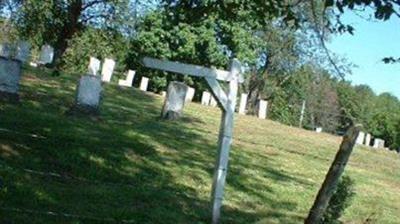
(371,42)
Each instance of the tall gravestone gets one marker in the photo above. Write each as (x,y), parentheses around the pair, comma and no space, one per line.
(190,94)
(46,55)
(10,76)
(5,50)
(175,101)
(205,98)
(262,109)
(88,94)
(129,79)
(360,138)
(213,102)
(367,139)
(107,70)
(94,66)
(23,51)
(243,102)
(144,84)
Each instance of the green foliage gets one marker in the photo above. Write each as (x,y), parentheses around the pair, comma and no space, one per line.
(93,43)
(340,200)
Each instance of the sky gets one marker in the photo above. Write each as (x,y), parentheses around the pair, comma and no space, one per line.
(372,41)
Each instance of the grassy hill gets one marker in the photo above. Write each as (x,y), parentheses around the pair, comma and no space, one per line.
(128,166)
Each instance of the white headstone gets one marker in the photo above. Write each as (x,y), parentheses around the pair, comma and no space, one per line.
(190,94)
(107,70)
(243,102)
(367,139)
(10,75)
(205,98)
(378,143)
(263,108)
(213,102)
(129,79)
(23,51)
(163,93)
(89,92)
(144,83)
(46,55)
(360,138)
(94,66)
(5,50)
(175,101)
(318,129)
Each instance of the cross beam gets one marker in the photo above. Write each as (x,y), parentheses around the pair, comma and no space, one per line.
(227,102)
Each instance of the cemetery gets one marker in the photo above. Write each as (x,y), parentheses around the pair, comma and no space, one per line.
(101,125)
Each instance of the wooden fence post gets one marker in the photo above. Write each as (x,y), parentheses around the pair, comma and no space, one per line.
(333,175)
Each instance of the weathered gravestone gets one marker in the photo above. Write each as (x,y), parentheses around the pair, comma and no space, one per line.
(88,94)
(175,101)
(368,139)
(227,103)
(10,75)
(378,143)
(94,66)
(107,70)
(243,102)
(5,50)
(213,102)
(46,55)
(190,94)
(144,83)
(205,98)
(360,138)
(262,109)
(129,79)
(23,51)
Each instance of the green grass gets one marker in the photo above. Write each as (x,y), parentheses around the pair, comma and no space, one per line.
(126,164)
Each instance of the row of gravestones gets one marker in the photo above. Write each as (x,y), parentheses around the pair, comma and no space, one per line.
(366,139)
(21,52)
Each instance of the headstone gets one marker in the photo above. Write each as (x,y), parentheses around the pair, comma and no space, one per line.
(129,79)
(243,102)
(23,51)
(107,70)
(5,50)
(190,94)
(360,138)
(378,143)
(94,66)
(10,75)
(89,94)
(205,98)
(213,102)
(163,93)
(46,55)
(368,139)
(262,109)
(318,129)
(175,101)
(144,83)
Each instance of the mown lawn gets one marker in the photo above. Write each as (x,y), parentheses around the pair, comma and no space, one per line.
(126,165)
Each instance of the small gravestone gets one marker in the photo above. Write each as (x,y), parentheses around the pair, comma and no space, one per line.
(360,138)
(190,94)
(175,101)
(213,102)
(368,139)
(94,66)
(163,93)
(144,83)
(88,94)
(5,50)
(129,79)
(242,105)
(205,98)
(107,70)
(10,75)
(46,55)
(262,109)
(378,143)
(23,51)
(318,129)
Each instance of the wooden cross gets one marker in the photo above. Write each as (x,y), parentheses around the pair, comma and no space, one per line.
(226,101)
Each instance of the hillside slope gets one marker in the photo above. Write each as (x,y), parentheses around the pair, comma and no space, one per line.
(128,166)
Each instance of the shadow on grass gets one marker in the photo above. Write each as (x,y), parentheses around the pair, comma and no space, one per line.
(135,166)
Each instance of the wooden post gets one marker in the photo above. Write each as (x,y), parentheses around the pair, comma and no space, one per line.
(303,108)
(333,175)
(227,102)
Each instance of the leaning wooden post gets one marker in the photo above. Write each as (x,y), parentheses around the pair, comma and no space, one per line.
(224,142)
(333,175)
